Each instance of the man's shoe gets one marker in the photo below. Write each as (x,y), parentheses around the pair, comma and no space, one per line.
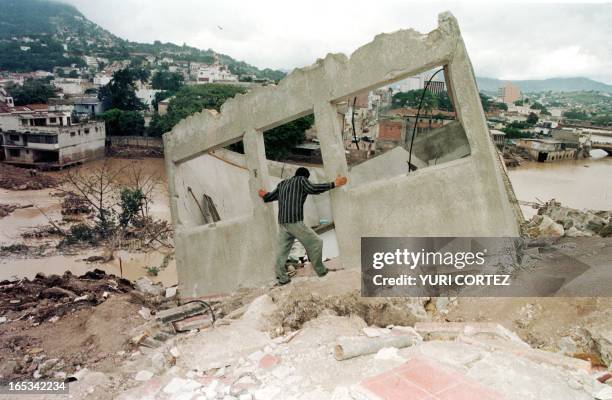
(323,274)
(279,283)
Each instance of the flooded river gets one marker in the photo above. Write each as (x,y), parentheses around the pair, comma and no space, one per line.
(580,184)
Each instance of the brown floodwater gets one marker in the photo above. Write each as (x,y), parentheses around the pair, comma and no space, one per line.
(579,184)
(130,265)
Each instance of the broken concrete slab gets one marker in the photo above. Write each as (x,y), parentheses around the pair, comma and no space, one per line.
(452,330)
(349,347)
(180,312)
(536,355)
(195,322)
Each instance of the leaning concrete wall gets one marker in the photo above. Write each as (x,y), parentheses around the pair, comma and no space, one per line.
(464,197)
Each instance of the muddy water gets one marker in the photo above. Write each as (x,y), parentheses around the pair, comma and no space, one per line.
(127,264)
(579,184)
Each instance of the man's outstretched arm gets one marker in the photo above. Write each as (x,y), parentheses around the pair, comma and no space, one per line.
(318,188)
(268,196)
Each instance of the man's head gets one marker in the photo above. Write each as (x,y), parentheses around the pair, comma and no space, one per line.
(302,172)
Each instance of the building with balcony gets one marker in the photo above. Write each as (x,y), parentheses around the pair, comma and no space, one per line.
(48,138)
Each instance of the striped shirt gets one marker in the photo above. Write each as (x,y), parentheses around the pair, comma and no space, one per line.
(291,195)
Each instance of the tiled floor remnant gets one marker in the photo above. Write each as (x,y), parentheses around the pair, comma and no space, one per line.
(421,379)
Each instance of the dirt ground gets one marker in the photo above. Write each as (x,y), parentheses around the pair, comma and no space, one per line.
(16,178)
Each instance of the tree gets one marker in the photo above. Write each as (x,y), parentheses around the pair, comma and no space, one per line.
(280,140)
(33,91)
(412,98)
(120,93)
(123,123)
(485,101)
(165,80)
(532,118)
(575,114)
(189,100)
(518,103)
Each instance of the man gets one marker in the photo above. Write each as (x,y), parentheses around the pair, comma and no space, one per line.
(291,195)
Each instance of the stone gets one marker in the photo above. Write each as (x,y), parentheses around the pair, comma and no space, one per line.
(2,320)
(191,323)
(389,354)
(46,366)
(268,392)
(159,362)
(145,313)
(174,351)
(375,332)
(268,361)
(171,291)
(143,375)
(146,286)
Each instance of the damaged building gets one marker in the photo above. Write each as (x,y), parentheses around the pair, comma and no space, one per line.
(45,136)
(445,182)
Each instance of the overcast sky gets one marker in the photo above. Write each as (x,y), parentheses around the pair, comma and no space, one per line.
(505,40)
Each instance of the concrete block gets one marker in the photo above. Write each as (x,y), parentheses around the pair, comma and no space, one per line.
(195,322)
(535,355)
(180,312)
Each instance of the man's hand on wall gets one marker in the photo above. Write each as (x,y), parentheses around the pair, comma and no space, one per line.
(261,193)
(341,180)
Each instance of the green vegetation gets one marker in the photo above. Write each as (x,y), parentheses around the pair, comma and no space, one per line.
(123,123)
(190,100)
(431,100)
(164,80)
(120,93)
(51,23)
(489,105)
(33,91)
(280,140)
(532,118)
(576,114)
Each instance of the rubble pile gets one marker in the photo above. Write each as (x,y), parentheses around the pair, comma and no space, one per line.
(555,220)
(15,178)
(341,358)
(6,209)
(47,297)
(134,152)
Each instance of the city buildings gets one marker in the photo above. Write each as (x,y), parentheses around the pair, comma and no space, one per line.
(509,93)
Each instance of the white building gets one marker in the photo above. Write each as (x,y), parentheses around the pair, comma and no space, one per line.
(216,73)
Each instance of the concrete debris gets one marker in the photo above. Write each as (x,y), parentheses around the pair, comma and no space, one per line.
(47,298)
(555,220)
(375,332)
(143,376)
(388,353)
(180,312)
(452,330)
(195,322)
(349,347)
(145,313)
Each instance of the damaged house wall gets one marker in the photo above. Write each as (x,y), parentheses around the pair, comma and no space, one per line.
(462,197)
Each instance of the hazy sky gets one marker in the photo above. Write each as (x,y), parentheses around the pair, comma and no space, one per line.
(505,40)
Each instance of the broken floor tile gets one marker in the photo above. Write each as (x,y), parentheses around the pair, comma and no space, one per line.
(421,379)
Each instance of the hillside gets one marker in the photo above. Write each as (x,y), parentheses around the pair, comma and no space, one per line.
(41,34)
(543,85)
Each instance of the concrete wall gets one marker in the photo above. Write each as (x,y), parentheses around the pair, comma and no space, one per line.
(464,197)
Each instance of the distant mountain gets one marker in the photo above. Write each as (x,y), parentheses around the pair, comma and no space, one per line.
(42,34)
(543,85)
